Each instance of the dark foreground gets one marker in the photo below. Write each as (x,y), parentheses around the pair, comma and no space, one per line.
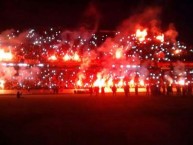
(102,120)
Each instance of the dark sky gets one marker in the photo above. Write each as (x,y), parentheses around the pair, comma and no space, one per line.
(23,14)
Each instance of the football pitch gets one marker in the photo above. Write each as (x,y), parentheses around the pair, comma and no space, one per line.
(80,119)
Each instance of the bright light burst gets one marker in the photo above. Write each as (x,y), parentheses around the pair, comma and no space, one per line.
(53,57)
(118,53)
(141,34)
(5,56)
(160,37)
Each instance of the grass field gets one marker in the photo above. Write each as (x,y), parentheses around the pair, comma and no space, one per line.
(68,119)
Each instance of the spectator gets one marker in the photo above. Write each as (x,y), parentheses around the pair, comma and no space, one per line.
(114,90)
(18,95)
(126,90)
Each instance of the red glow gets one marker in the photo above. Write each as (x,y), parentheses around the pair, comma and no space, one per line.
(85,62)
(160,55)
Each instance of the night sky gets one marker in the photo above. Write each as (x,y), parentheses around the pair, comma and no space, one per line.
(108,14)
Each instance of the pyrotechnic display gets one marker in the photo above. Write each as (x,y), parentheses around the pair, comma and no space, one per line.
(137,53)
(96,72)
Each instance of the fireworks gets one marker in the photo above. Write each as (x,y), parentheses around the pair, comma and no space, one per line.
(71,59)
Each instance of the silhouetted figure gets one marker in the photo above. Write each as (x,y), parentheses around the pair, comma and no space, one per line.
(55,90)
(136,89)
(103,90)
(164,89)
(178,88)
(147,90)
(136,80)
(114,90)
(18,95)
(169,89)
(126,90)
(90,90)
(152,89)
(28,89)
(157,90)
(184,90)
(96,90)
